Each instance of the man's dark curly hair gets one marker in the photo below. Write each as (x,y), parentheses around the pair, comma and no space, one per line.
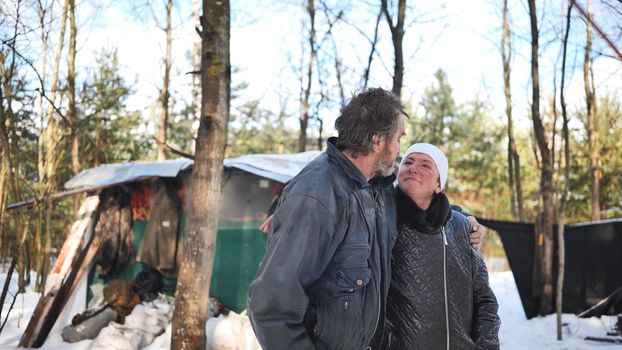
(374,111)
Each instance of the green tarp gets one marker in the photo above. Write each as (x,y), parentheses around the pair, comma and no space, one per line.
(239,250)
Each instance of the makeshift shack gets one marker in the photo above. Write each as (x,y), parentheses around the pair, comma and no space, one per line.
(134,216)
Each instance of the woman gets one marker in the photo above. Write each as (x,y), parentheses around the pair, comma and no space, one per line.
(439,296)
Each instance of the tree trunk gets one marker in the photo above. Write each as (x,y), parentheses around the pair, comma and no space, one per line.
(9,143)
(42,123)
(3,196)
(196,63)
(506,54)
(518,181)
(546,175)
(10,165)
(304,103)
(397,36)
(193,283)
(564,195)
(338,68)
(164,93)
(373,49)
(592,130)
(6,168)
(514,178)
(74,140)
(54,136)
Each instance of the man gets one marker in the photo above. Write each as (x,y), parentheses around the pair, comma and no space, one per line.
(324,279)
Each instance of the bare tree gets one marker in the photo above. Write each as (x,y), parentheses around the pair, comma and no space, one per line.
(374,41)
(338,71)
(53,132)
(591,116)
(72,118)
(196,62)
(337,63)
(44,54)
(561,254)
(546,170)
(8,165)
(164,92)
(602,34)
(305,92)
(39,226)
(54,137)
(193,284)
(7,152)
(4,169)
(514,174)
(9,148)
(397,36)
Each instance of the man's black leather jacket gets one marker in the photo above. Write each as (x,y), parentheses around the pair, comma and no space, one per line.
(324,279)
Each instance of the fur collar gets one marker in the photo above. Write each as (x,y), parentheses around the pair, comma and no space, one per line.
(425,221)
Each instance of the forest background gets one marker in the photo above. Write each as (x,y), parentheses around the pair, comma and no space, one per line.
(86,83)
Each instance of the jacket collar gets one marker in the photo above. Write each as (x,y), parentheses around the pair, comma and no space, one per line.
(352,171)
(424,221)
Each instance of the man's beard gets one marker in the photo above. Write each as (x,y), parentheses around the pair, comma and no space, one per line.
(384,170)
(381,167)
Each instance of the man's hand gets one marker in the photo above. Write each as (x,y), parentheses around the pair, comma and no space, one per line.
(477,233)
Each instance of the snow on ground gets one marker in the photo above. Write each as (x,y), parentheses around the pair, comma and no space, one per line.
(540,332)
(516,331)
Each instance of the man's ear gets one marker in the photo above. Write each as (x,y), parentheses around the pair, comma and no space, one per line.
(438,189)
(376,141)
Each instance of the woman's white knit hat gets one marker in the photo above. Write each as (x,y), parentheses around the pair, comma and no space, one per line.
(439,158)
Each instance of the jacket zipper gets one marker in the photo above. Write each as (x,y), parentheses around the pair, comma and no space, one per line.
(445,281)
(346,303)
(378,315)
(380,291)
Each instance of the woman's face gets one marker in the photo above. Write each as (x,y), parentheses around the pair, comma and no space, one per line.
(418,176)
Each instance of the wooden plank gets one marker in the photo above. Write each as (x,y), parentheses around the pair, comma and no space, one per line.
(73,241)
(46,323)
(65,275)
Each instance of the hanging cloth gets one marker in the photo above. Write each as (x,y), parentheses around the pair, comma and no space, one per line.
(161,246)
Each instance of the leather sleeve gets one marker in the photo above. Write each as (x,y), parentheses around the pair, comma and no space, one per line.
(299,249)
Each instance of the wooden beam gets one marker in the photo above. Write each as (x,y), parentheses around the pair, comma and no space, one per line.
(32,201)
(69,268)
